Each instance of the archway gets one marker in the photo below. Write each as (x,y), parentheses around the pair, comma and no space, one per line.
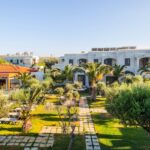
(110,61)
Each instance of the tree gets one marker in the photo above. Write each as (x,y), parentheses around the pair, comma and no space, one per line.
(119,71)
(59,91)
(131,104)
(94,70)
(69,115)
(49,62)
(3,61)
(68,73)
(33,83)
(24,78)
(55,72)
(31,97)
(3,105)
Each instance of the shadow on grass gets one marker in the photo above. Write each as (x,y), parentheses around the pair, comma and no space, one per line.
(62,142)
(12,129)
(47,117)
(120,137)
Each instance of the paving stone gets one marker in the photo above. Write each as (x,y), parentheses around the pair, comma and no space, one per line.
(88,140)
(10,144)
(95,143)
(95,140)
(25,140)
(89,143)
(88,137)
(89,148)
(34,148)
(12,140)
(94,137)
(3,144)
(16,144)
(31,140)
(6,140)
(26,148)
(29,144)
(49,145)
(42,145)
(97,148)
(36,144)
(22,144)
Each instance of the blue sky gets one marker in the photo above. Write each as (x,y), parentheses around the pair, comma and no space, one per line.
(55,27)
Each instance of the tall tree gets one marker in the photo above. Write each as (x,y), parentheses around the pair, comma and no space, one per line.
(119,71)
(94,70)
(68,72)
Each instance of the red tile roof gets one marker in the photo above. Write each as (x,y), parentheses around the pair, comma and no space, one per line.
(9,68)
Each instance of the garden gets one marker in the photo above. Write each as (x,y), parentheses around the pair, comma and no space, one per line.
(56,114)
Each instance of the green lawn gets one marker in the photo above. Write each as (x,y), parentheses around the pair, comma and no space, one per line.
(42,117)
(113,135)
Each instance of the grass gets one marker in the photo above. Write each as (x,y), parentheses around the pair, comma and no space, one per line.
(63,141)
(113,135)
(42,117)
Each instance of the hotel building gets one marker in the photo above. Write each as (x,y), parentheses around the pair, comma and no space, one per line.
(132,57)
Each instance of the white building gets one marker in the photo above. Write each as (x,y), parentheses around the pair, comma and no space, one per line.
(22,59)
(132,57)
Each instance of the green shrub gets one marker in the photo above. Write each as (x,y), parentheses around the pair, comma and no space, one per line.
(18,95)
(59,91)
(101,87)
(133,79)
(69,87)
(3,105)
(76,95)
(131,104)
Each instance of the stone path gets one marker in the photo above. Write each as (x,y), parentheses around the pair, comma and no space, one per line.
(58,130)
(43,140)
(86,124)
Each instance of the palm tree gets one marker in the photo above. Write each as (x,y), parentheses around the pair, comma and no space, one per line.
(94,70)
(68,72)
(54,72)
(119,71)
(24,78)
(145,70)
(31,97)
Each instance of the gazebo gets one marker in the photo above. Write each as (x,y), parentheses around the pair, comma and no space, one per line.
(8,75)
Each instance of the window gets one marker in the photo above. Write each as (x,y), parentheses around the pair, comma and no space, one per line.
(127,61)
(108,61)
(21,61)
(62,60)
(71,61)
(82,61)
(95,60)
(11,60)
